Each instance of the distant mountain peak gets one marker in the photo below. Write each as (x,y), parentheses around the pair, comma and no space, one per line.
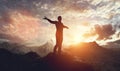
(87,44)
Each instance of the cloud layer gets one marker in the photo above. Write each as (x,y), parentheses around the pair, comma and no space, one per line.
(77,14)
(104,31)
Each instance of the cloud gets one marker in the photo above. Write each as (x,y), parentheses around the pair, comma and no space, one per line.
(116,21)
(113,44)
(96,11)
(117,42)
(10,38)
(19,24)
(104,31)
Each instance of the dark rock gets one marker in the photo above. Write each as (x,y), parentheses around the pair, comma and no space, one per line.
(30,62)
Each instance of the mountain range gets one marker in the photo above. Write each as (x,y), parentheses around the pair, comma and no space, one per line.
(90,55)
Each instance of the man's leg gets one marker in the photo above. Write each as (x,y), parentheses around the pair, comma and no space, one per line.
(55,48)
(59,49)
(60,46)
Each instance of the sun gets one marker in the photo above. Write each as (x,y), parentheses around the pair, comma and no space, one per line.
(73,36)
(77,39)
(76,35)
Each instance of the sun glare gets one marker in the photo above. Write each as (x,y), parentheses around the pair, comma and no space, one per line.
(77,39)
(76,35)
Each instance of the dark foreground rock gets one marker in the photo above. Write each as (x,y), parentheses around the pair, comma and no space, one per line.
(32,62)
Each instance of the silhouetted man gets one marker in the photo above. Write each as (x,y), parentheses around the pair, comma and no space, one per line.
(59,33)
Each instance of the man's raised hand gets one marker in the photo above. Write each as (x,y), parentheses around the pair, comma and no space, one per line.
(45,18)
(67,27)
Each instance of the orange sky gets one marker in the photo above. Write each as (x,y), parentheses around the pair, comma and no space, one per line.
(95,20)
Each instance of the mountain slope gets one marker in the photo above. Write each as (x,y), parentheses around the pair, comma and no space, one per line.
(102,59)
(31,62)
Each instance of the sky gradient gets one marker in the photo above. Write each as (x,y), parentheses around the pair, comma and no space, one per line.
(88,20)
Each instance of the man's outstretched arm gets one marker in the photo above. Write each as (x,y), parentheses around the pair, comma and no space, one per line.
(53,22)
(65,26)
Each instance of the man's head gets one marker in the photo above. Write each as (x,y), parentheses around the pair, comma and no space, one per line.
(59,18)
